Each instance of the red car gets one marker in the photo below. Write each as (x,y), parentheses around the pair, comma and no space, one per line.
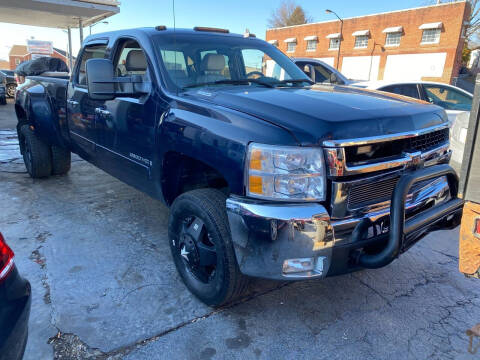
(15,300)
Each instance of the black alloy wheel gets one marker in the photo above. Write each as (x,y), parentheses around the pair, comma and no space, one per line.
(202,247)
(197,250)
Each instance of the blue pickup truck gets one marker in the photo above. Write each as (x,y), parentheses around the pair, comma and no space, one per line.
(265,174)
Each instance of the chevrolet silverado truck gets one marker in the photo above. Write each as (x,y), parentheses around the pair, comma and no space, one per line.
(266,175)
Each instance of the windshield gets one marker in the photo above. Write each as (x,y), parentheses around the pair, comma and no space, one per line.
(213,60)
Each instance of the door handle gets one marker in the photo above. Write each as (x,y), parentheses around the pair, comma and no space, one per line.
(100,111)
(72,102)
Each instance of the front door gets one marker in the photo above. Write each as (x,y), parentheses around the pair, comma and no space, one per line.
(126,125)
(81,108)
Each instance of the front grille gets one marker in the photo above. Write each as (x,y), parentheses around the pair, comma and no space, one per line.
(376,192)
(390,149)
(428,141)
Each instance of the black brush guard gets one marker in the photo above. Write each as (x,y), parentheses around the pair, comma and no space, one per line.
(399,228)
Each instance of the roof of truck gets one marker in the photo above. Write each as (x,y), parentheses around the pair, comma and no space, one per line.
(154,31)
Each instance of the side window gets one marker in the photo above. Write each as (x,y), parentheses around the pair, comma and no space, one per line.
(176,66)
(322,74)
(448,98)
(253,61)
(90,52)
(410,90)
(130,60)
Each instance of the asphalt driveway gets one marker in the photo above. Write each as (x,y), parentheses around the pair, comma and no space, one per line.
(104,286)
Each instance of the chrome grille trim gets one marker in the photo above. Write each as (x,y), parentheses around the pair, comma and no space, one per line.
(382,138)
(337,165)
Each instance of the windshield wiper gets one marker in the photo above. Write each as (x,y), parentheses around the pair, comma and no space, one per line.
(232,82)
(294,81)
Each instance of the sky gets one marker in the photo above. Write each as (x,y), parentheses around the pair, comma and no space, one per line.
(234,15)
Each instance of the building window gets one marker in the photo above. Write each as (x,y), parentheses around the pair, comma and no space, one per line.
(431,36)
(361,41)
(17,61)
(334,44)
(291,46)
(311,45)
(393,39)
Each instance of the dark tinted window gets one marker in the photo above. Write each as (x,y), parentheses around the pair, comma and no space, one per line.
(90,52)
(406,90)
(322,74)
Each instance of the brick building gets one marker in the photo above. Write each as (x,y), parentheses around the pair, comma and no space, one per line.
(423,43)
(19,54)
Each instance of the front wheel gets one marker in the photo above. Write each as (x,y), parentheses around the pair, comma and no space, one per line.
(202,248)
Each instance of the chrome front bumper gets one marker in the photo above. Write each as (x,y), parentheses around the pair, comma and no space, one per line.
(265,235)
(298,241)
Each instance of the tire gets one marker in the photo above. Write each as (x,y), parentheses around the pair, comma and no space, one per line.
(11,90)
(36,154)
(226,283)
(61,160)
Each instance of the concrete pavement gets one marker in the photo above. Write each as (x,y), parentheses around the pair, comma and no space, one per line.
(104,286)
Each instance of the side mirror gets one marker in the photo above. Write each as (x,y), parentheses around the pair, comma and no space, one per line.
(309,70)
(100,80)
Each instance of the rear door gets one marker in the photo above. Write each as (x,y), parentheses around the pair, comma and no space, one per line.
(80,107)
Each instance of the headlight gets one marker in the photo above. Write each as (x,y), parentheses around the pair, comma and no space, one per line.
(285,173)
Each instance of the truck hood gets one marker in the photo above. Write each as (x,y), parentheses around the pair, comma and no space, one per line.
(321,113)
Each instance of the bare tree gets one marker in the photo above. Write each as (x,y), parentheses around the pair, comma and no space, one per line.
(288,14)
(473,28)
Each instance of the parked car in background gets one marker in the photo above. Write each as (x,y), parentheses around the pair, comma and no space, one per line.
(15,300)
(453,99)
(320,72)
(456,102)
(3,91)
(11,83)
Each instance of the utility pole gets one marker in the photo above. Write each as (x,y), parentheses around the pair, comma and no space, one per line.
(328,11)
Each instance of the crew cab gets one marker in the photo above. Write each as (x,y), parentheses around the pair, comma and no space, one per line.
(265,175)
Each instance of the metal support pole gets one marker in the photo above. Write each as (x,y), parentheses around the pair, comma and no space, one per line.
(70,57)
(80,29)
(340,42)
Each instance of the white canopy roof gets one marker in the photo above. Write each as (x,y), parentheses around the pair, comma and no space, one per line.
(290,40)
(273,42)
(57,13)
(311,37)
(361,33)
(393,29)
(435,25)
(333,36)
